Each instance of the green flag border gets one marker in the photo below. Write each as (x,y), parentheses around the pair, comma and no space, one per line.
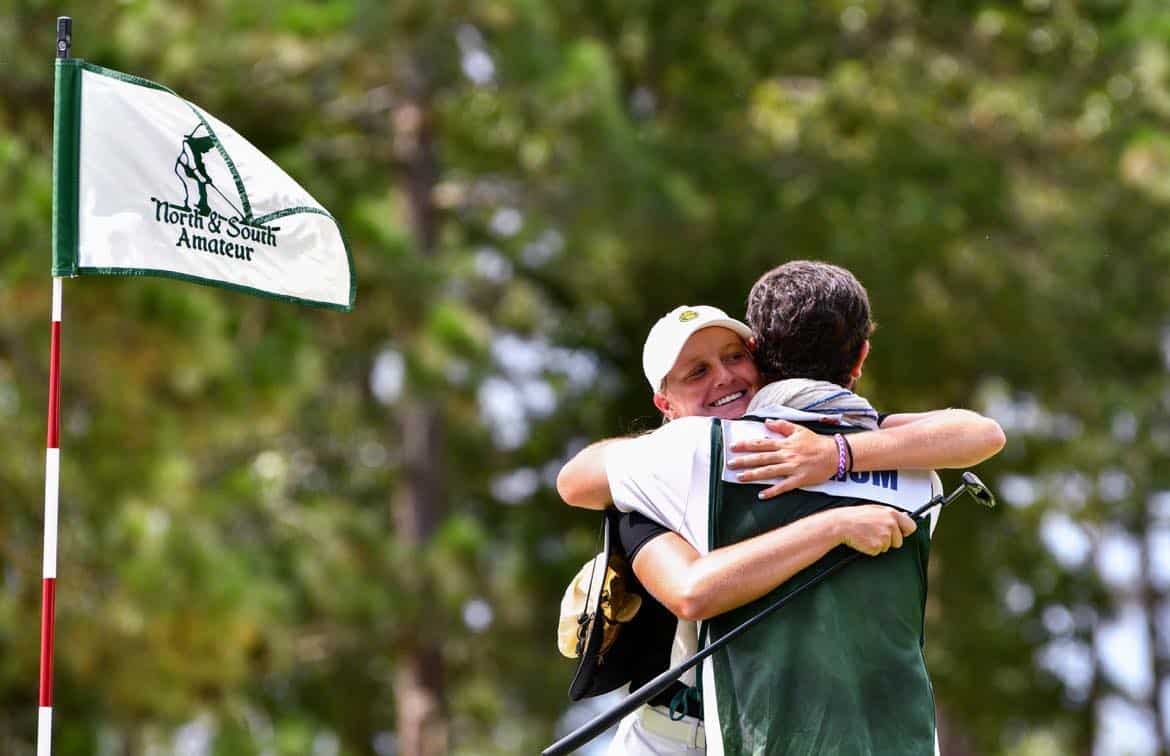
(66,175)
(66,155)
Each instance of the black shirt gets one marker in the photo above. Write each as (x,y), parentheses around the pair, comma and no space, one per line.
(635,530)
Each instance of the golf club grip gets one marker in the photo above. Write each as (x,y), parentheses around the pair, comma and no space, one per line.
(598,724)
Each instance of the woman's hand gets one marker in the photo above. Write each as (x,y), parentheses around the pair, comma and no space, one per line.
(872,528)
(800,456)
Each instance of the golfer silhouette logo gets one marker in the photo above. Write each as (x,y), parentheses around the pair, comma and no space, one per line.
(215,215)
(197,166)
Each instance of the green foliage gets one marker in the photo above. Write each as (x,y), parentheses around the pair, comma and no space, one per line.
(997,175)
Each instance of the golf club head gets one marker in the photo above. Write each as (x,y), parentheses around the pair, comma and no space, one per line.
(978,490)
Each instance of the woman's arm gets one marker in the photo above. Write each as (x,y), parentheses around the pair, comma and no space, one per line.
(917,441)
(582,482)
(696,587)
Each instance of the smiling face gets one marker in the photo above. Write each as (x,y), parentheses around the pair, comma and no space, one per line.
(714,376)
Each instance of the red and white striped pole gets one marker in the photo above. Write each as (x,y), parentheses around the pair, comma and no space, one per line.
(49,570)
(52,486)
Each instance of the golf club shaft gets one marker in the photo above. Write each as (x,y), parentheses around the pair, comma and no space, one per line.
(600,723)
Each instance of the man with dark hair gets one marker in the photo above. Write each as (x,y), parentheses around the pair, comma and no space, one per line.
(839,671)
(812,320)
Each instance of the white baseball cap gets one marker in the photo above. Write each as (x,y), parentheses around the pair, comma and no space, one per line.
(669,335)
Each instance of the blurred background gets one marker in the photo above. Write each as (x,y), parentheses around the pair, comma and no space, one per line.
(291,531)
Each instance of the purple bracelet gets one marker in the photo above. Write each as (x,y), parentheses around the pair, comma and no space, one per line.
(841,468)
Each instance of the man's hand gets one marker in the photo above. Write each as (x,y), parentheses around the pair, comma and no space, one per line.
(801,457)
(872,529)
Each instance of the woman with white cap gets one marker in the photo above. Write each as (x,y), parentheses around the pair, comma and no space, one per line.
(698,362)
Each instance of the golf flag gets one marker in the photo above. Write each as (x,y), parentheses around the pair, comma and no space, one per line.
(147,183)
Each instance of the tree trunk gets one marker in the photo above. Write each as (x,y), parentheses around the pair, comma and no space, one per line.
(418,693)
(418,680)
(1151,601)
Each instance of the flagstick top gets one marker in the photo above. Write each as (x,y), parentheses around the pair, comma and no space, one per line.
(64,36)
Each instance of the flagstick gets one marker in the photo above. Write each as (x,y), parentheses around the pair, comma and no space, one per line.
(52,485)
(52,479)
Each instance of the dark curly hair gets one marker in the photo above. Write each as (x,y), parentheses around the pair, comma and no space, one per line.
(810,319)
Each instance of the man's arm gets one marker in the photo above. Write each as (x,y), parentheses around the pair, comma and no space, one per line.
(941,439)
(695,587)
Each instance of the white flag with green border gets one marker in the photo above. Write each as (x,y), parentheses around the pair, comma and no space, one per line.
(146,183)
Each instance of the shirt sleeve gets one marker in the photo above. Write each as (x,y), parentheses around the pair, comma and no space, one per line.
(654,474)
(635,531)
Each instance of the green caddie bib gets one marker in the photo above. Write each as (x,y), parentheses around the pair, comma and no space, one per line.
(839,671)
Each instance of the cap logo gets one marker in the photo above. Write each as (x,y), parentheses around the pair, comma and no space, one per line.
(687,315)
